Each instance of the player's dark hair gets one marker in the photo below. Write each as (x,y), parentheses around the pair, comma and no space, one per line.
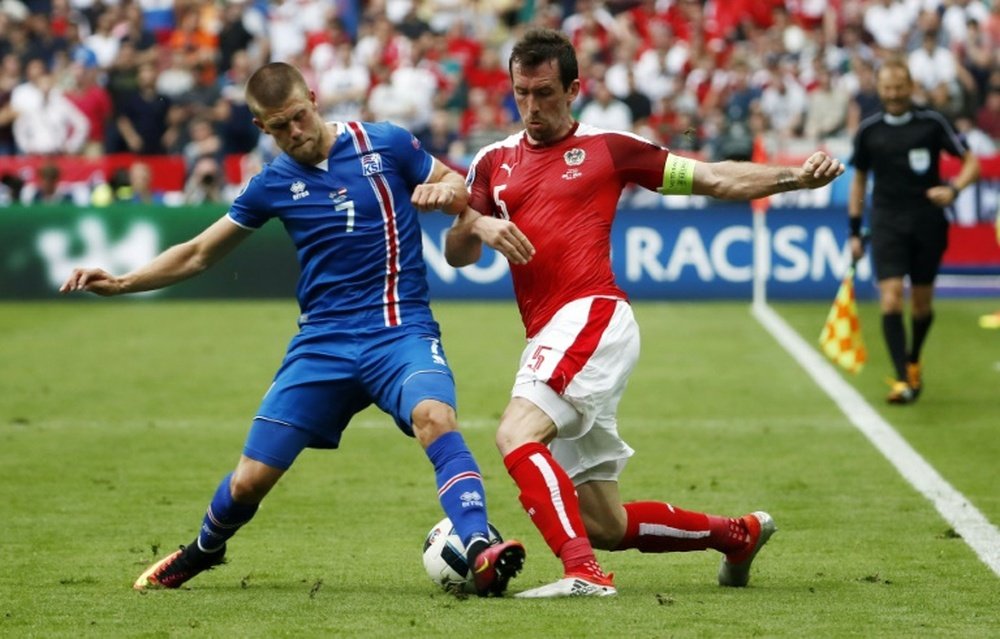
(541,45)
(272,85)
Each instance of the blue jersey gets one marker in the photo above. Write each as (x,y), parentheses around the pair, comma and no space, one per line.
(355,231)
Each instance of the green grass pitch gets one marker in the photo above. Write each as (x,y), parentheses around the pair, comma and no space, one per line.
(119,417)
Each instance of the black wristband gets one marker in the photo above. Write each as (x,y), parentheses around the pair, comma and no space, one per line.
(854,224)
(954,190)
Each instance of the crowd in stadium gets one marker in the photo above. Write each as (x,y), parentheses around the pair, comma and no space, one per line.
(703,77)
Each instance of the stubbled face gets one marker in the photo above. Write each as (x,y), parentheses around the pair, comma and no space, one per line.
(542,101)
(297,128)
(895,89)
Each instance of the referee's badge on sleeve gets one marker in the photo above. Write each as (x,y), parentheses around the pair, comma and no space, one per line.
(920,160)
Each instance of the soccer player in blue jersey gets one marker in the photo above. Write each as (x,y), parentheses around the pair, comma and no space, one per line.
(348,194)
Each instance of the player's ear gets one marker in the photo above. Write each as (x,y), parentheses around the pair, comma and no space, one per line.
(574,90)
(260,125)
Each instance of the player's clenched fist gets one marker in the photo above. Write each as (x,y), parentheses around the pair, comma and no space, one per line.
(820,169)
(433,196)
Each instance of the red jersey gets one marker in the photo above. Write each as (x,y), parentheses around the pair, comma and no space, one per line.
(563,196)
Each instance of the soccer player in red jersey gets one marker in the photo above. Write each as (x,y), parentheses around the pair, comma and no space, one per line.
(546,198)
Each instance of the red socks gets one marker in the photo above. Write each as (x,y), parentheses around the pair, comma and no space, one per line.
(655,526)
(549,498)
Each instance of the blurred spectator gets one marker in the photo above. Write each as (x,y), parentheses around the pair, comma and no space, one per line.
(135,32)
(232,117)
(404,96)
(889,21)
(94,102)
(11,186)
(484,121)
(659,65)
(49,189)
(177,78)
(63,14)
(102,41)
(591,28)
(441,137)
(945,102)
(784,101)
(10,77)
(606,111)
(412,25)
(638,103)
(932,65)
(234,35)
(956,17)
(137,186)
(193,40)
(203,142)
(381,45)
(826,113)
(42,44)
(966,206)
(490,74)
(204,184)
(865,101)
(45,121)
(122,79)
(342,84)
(739,95)
(143,121)
(988,115)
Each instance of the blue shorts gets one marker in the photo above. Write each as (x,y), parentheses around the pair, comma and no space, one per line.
(329,376)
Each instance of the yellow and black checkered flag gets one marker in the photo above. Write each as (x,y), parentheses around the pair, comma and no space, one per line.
(841,337)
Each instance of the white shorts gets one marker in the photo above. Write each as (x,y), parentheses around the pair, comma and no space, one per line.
(575,370)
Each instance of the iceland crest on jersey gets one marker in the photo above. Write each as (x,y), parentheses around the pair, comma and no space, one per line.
(371,164)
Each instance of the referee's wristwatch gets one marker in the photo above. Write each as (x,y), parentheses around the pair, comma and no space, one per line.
(954,190)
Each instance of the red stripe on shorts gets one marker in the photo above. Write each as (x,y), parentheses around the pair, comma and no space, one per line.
(579,352)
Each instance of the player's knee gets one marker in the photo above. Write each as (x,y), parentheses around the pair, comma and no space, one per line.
(249,485)
(512,434)
(522,423)
(245,491)
(431,419)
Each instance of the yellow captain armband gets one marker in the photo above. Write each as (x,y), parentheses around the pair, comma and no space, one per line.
(678,176)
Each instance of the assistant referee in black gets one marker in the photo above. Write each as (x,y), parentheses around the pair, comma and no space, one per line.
(900,147)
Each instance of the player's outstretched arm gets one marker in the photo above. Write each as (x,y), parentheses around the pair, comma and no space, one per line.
(444,190)
(175,264)
(730,180)
(464,242)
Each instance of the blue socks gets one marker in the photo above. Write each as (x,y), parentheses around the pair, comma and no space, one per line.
(223,518)
(460,486)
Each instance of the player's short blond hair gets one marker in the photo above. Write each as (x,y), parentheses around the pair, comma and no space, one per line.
(272,85)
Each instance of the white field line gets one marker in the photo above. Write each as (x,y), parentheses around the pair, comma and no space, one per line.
(977,531)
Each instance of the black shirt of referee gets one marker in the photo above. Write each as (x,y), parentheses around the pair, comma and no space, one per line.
(901,147)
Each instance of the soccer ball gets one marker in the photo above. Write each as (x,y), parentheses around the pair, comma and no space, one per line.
(444,557)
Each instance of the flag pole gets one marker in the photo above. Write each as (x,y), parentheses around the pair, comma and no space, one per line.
(761,238)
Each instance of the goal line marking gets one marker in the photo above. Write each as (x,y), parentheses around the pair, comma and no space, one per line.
(974,528)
